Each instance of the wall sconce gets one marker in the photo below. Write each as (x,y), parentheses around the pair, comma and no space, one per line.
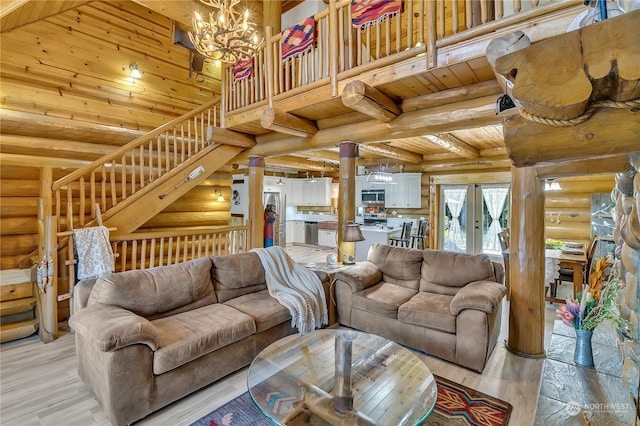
(135,72)
(219,194)
(551,185)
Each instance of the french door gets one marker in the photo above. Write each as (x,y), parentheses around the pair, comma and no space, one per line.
(471,216)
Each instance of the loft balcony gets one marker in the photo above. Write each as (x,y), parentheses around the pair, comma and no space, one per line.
(383,76)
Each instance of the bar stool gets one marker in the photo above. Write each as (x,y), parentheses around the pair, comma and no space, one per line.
(404,239)
(419,240)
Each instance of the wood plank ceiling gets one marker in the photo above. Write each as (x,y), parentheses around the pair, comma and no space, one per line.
(70,60)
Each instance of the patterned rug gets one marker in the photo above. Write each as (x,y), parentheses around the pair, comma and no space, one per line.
(457,405)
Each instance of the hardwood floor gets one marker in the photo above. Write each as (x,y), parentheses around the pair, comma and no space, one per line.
(34,392)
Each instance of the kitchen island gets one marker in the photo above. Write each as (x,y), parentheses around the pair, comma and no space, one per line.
(374,235)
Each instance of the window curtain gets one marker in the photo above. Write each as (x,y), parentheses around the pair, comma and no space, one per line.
(494,197)
(454,198)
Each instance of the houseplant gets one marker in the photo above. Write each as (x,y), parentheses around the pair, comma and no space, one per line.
(595,304)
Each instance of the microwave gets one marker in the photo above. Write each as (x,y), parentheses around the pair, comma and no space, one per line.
(373,196)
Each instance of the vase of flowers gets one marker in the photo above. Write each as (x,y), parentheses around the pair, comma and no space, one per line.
(595,304)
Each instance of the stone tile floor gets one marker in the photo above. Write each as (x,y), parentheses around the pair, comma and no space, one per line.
(569,393)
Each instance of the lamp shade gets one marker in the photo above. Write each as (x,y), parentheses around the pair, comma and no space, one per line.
(352,233)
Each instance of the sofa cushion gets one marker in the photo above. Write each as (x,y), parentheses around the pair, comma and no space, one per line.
(189,335)
(429,310)
(236,275)
(179,287)
(266,311)
(444,272)
(383,299)
(398,265)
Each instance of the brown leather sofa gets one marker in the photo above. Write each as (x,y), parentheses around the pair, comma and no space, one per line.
(443,303)
(146,338)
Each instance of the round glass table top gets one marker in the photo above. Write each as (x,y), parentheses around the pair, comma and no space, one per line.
(298,379)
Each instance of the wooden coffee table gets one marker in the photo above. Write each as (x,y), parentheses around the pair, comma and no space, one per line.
(297,380)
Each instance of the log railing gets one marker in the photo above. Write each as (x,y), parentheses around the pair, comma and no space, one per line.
(144,250)
(342,51)
(117,177)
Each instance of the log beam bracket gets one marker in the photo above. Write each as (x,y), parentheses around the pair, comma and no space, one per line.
(284,122)
(370,101)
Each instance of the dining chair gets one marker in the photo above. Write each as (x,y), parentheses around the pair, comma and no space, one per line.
(419,240)
(405,236)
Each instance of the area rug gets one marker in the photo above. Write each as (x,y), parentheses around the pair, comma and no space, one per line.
(457,405)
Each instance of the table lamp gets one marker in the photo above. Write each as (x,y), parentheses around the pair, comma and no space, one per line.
(352,234)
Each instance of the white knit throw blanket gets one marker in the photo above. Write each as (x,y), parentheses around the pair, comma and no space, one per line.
(295,287)
(93,252)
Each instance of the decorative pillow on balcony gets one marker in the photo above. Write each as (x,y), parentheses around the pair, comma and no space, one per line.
(242,69)
(369,12)
(298,38)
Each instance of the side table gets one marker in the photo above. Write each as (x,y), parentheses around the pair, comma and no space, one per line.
(331,271)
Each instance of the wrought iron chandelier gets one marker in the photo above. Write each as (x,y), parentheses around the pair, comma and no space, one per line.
(228,35)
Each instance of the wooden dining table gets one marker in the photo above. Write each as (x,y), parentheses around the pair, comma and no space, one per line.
(575,262)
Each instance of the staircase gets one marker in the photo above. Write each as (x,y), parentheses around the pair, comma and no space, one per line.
(144,176)
(123,190)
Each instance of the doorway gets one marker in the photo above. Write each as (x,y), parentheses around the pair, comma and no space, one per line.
(471,216)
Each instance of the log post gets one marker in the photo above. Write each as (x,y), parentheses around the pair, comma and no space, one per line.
(432,54)
(270,71)
(347,194)
(333,47)
(47,229)
(526,262)
(272,15)
(256,209)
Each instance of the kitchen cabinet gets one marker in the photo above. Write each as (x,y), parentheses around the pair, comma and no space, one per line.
(327,238)
(305,193)
(360,180)
(289,234)
(405,192)
(297,231)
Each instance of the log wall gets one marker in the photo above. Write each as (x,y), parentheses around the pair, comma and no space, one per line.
(627,238)
(572,205)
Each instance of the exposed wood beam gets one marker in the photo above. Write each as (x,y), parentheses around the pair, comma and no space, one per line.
(284,122)
(325,154)
(230,137)
(453,144)
(450,96)
(601,165)
(370,101)
(39,161)
(391,152)
(607,132)
(581,73)
(463,115)
(295,163)
(459,165)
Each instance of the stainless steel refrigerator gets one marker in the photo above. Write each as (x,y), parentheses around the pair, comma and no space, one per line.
(278,201)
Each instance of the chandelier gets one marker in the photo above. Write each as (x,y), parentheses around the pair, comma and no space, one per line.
(227,35)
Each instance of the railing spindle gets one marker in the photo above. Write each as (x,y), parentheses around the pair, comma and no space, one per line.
(83,200)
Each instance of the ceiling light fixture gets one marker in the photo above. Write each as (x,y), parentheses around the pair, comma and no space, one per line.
(551,185)
(135,72)
(227,35)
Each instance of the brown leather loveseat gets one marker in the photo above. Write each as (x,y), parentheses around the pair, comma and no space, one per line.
(146,338)
(443,303)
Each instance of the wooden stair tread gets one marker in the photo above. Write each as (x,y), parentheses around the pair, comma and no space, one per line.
(18,330)
(17,306)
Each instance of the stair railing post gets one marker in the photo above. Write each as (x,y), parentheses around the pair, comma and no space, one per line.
(333,47)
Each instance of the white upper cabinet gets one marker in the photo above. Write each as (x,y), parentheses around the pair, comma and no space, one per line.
(405,192)
(305,193)
(270,184)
